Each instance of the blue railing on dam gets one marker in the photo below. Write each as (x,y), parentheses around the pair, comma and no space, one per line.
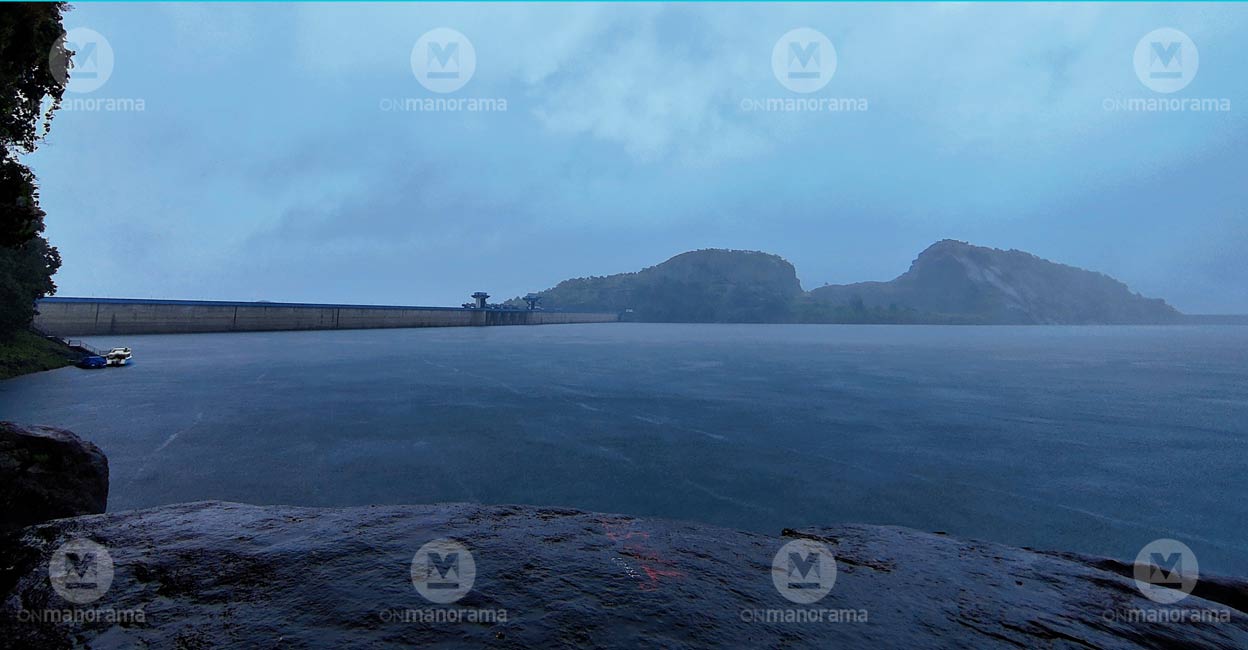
(76,316)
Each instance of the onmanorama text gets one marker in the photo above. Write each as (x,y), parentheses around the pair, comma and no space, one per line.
(81,616)
(104,104)
(806,104)
(803,615)
(445,105)
(443,615)
(1167,104)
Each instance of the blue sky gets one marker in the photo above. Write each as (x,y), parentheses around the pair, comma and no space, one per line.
(264,167)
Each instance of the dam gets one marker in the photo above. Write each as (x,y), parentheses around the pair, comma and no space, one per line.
(97,316)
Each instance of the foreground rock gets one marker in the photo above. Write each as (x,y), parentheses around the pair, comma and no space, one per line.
(219,575)
(48,473)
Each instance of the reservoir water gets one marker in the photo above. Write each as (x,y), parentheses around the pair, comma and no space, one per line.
(1091,439)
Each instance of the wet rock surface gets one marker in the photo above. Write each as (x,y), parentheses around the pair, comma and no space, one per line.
(214,575)
(48,473)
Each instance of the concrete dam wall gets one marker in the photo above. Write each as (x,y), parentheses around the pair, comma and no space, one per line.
(94,316)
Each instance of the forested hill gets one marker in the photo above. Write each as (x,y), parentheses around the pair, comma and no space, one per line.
(953,281)
(949,282)
(704,286)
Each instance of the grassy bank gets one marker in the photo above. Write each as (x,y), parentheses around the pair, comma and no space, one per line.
(26,352)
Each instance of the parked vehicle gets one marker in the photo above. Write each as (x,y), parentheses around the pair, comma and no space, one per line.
(92,361)
(118,356)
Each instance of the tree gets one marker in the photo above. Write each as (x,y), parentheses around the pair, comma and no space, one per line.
(25,276)
(34,66)
(21,219)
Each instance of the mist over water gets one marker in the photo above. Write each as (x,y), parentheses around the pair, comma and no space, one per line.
(1094,439)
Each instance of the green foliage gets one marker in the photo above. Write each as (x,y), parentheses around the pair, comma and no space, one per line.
(25,276)
(24,352)
(33,68)
(21,218)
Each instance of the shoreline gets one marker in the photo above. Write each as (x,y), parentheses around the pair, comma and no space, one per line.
(28,353)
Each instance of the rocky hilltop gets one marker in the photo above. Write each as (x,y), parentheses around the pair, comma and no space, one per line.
(950,282)
(954,281)
(704,286)
(224,575)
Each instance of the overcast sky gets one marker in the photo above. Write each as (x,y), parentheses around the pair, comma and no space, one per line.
(268,162)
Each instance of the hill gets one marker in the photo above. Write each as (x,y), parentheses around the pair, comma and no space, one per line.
(949,282)
(957,282)
(703,286)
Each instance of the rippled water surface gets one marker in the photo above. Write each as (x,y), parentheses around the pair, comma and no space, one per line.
(1096,439)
